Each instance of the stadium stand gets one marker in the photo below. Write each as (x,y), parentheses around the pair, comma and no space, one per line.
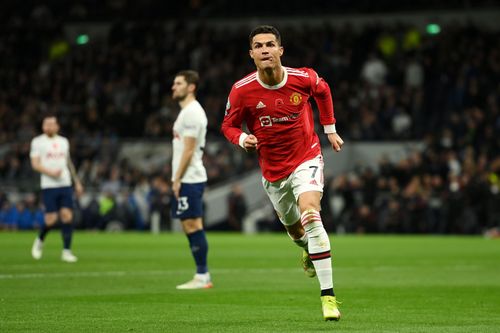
(391,82)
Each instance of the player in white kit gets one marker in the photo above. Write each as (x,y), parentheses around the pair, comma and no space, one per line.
(51,158)
(189,176)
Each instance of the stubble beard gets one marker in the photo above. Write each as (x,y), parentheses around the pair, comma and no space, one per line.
(179,98)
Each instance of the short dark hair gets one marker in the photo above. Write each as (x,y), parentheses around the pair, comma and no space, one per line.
(264,29)
(192,77)
(49,114)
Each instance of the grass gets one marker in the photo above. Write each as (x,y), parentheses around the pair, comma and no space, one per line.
(126,283)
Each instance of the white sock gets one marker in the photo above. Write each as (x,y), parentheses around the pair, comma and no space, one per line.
(319,247)
(205,277)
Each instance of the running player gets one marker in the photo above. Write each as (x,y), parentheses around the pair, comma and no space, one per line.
(274,104)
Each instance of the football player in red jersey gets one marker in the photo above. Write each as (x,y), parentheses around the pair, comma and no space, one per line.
(274,103)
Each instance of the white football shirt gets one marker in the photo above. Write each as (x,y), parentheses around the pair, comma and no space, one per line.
(53,153)
(191,122)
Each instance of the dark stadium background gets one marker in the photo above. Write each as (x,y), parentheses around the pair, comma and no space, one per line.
(425,133)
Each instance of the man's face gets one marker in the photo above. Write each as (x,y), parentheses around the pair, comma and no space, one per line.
(266,51)
(50,126)
(180,88)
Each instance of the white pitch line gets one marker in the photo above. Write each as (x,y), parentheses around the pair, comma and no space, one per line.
(141,273)
(215,271)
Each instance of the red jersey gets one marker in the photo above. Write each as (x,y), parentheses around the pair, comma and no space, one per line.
(280,117)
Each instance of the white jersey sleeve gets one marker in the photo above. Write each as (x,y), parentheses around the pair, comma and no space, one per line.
(193,124)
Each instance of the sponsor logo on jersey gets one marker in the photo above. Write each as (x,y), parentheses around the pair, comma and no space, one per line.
(295,98)
(266,121)
(55,155)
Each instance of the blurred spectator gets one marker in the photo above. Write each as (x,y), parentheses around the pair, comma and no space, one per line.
(159,200)
(374,71)
(442,89)
(237,208)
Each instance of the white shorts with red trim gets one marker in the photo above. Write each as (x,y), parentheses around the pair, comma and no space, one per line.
(284,193)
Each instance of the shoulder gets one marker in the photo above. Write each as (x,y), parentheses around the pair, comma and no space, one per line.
(38,139)
(194,111)
(63,139)
(252,77)
(305,72)
(194,107)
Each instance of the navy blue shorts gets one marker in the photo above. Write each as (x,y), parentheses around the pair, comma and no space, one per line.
(190,203)
(57,198)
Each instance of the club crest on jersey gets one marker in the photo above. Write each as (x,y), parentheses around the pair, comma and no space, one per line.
(295,98)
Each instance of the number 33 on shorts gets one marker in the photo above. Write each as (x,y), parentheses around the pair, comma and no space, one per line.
(182,205)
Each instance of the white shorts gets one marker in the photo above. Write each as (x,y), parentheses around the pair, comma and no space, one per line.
(284,193)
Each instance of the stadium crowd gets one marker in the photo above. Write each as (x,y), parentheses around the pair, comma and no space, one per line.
(389,83)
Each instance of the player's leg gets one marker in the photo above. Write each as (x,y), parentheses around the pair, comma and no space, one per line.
(285,204)
(193,228)
(299,237)
(67,234)
(49,219)
(319,251)
(319,243)
(189,209)
(66,215)
(307,182)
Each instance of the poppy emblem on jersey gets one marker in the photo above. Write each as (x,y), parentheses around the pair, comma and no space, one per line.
(278,102)
(295,98)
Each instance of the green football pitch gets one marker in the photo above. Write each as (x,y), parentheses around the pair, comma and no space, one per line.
(126,283)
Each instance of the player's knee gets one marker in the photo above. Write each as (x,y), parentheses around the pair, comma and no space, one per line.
(311,220)
(310,201)
(192,225)
(66,215)
(50,219)
(309,204)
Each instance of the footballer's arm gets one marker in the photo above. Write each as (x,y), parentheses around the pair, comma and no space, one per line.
(74,176)
(323,97)
(36,164)
(232,124)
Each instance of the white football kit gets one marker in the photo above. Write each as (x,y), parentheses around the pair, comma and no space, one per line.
(54,154)
(191,122)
